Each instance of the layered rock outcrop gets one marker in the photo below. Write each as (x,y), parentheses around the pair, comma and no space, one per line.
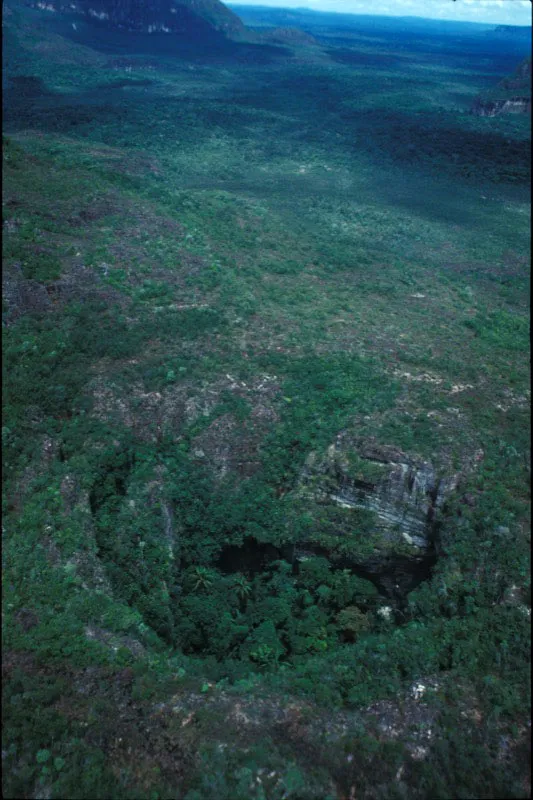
(381,509)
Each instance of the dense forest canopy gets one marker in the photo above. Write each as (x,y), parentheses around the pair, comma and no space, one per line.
(266,508)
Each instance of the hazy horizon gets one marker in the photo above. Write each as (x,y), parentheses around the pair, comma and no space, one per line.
(492,12)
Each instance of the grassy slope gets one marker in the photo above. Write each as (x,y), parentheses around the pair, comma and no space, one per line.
(205,246)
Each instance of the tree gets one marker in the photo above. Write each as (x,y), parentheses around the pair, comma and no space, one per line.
(352,622)
(202,578)
(243,589)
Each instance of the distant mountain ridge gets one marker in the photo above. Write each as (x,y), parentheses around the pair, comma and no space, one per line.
(523,31)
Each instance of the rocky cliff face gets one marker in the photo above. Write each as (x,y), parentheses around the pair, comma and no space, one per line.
(153,16)
(491,108)
(510,96)
(400,497)
(403,491)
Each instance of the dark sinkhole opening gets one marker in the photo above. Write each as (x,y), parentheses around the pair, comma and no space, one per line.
(394,578)
(252,557)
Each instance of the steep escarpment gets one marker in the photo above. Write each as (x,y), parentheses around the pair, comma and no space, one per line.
(510,96)
(380,509)
(153,16)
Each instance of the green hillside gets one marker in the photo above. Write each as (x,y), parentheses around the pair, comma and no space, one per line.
(266,498)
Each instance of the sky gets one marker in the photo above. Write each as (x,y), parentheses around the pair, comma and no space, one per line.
(499,12)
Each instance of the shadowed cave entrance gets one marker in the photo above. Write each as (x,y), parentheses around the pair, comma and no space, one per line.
(393,577)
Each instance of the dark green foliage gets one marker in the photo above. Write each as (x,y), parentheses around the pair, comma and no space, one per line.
(212,275)
(449,773)
(502,329)
(437,141)
(47,360)
(318,397)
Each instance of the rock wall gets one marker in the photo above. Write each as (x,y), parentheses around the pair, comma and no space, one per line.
(153,16)
(514,94)
(491,108)
(404,493)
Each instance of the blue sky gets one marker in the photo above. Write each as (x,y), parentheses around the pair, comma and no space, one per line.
(499,12)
